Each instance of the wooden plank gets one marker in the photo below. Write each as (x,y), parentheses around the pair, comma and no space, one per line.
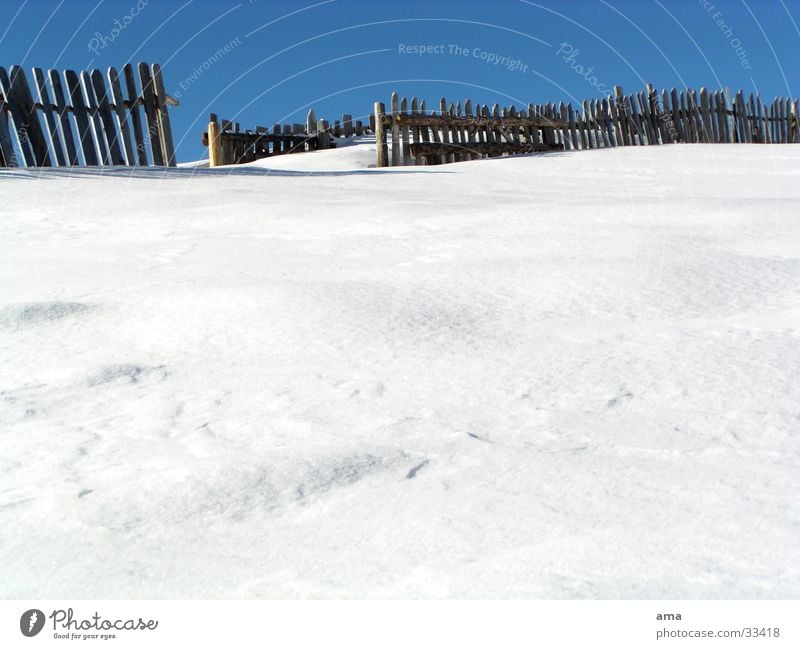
(531,127)
(605,122)
(323,136)
(580,122)
(693,107)
(214,145)
(424,133)
(492,150)
(648,116)
(634,122)
(608,108)
(30,137)
(380,135)
(622,118)
(455,132)
(687,118)
(705,116)
(614,125)
(566,136)
(62,107)
(669,129)
(445,132)
(122,117)
(404,134)
(752,119)
(470,130)
(165,126)
(50,117)
(718,117)
(395,130)
(486,133)
(659,111)
(94,118)
(742,119)
(782,114)
(636,135)
(35,132)
(277,147)
(415,135)
(677,120)
(150,104)
(496,120)
(134,103)
(86,140)
(597,119)
(727,109)
(573,127)
(647,119)
(590,125)
(8,157)
(763,118)
(105,116)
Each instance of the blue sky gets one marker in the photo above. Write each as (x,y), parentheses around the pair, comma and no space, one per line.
(342,55)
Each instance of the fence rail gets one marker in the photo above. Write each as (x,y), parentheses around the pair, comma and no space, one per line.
(458,132)
(108,126)
(229,145)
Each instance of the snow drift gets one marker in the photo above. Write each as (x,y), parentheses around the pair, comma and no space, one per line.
(561,376)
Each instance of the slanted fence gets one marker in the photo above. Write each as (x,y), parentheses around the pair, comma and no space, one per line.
(228,144)
(409,134)
(106,128)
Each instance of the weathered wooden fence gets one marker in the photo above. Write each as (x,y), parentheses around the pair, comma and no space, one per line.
(452,135)
(106,127)
(458,132)
(228,144)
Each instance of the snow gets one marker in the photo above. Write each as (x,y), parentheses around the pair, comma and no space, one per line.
(561,376)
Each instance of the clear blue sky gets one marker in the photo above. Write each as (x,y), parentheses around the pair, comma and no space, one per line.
(342,55)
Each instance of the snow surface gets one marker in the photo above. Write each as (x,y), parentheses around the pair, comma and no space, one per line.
(561,376)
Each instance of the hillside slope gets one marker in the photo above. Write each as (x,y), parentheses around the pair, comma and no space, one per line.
(572,375)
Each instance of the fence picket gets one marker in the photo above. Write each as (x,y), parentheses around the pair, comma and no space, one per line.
(8,158)
(105,117)
(50,113)
(150,105)
(85,136)
(404,134)
(395,132)
(122,116)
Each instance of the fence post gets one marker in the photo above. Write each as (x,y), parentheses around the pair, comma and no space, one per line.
(622,117)
(323,136)
(381,144)
(214,145)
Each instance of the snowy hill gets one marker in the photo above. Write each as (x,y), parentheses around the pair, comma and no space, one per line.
(572,375)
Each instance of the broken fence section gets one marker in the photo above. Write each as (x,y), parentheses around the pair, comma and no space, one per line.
(228,144)
(115,119)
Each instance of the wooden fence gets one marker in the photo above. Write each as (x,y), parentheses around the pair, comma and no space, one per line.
(418,137)
(106,127)
(645,118)
(228,144)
